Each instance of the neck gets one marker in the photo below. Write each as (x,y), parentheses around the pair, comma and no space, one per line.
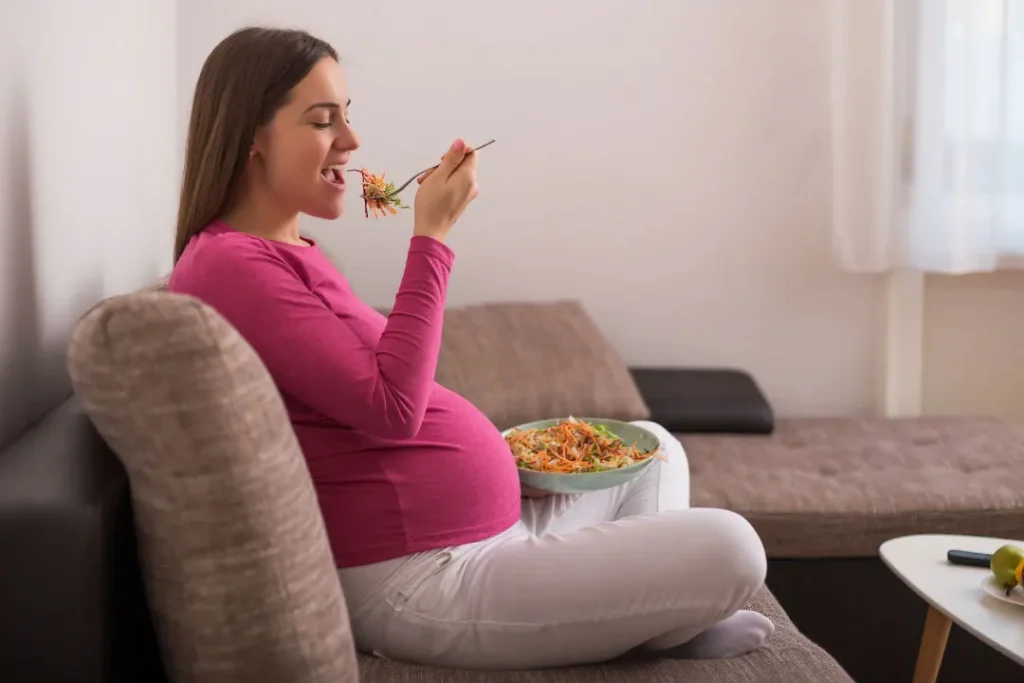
(257,214)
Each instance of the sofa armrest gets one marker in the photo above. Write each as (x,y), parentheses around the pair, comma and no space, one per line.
(69,582)
(709,400)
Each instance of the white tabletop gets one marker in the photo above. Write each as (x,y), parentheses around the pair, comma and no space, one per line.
(955,590)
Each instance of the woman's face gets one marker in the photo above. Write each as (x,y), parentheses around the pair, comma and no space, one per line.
(304,149)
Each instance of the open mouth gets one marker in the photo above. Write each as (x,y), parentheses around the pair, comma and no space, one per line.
(334,175)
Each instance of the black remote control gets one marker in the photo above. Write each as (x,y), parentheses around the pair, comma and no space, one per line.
(969,558)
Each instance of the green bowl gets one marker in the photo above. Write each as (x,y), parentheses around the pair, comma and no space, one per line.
(558,482)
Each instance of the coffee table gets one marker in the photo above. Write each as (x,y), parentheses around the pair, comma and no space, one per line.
(954,594)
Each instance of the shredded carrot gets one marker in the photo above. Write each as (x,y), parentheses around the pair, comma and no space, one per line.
(378,195)
(573,447)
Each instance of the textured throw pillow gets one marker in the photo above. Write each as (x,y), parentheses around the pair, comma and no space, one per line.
(233,548)
(519,362)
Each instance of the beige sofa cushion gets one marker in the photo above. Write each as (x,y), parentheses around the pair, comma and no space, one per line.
(234,553)
(835,487)
(519,362)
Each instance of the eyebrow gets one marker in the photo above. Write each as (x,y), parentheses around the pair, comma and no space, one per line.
(325,105)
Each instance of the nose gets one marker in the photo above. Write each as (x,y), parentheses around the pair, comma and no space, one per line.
(346,140)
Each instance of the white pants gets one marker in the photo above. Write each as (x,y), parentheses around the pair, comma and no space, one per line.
(580,579)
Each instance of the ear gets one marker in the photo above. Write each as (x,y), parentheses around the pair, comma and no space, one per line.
(258,143)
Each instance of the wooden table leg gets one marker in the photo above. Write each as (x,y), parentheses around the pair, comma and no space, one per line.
(933,645)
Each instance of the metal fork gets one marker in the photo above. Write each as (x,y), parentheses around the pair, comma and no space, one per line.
(408,182)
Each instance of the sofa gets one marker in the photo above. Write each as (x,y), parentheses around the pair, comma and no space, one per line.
(823,493)
(134,556)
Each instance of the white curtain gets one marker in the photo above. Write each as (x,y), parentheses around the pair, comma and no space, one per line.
(928,134)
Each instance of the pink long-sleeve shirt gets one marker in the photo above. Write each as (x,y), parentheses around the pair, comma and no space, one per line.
(400,464)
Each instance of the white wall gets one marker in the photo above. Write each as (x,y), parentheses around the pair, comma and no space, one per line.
(88,176)
(680,154)
(667,163)
(974,344)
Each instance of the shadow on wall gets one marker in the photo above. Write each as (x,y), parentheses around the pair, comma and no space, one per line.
(23,397)
(87,198)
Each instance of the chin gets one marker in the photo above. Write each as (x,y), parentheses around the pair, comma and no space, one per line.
(327,212)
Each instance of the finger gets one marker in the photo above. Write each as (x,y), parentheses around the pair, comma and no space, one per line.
(426,174)
(452,159)
(465,174)
(469,162)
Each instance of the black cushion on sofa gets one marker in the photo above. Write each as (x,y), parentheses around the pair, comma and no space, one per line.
(708,400)
(73,604)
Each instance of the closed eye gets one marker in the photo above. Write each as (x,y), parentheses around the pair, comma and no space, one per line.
(332,107)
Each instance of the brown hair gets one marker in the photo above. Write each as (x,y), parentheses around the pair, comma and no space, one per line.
(243,82)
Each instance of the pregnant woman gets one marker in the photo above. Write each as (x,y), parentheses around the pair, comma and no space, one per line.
(442,559)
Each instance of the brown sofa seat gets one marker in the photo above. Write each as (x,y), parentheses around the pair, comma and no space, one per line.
(789,657)
(840,487)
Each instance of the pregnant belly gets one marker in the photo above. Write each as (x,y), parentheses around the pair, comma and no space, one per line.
(469,466)
(455,482)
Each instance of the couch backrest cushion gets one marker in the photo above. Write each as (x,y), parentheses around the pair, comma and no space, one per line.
(233,548)
(519,362)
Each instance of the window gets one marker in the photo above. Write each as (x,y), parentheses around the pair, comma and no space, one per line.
(968,180)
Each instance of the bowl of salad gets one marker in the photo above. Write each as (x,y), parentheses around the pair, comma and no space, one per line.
(577,455)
